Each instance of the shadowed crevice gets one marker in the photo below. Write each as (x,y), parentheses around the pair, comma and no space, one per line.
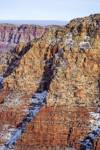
(38,100)
(16,60)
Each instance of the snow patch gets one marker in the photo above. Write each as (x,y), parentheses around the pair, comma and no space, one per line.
(87,143)
(37,101)
(6,133)
(3,147)
(69,42)
(69,35)
(15,135)
(95,120)
(84,45)
(1,81)
(39,97)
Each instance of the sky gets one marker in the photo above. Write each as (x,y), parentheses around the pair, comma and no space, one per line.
(63,10)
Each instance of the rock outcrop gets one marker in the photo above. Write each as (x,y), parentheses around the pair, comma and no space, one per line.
(70,55)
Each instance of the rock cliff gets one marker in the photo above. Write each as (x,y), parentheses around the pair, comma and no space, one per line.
(65,62)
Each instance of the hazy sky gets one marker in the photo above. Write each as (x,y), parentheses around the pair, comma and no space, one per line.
(47,9)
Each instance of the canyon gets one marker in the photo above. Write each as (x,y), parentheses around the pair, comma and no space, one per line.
(50,86)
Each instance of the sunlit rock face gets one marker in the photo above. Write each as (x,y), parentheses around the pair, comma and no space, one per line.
(64,61)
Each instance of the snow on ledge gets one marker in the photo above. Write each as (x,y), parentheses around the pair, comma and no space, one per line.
(95,120)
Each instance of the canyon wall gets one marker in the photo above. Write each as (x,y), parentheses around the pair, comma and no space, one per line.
(73,93)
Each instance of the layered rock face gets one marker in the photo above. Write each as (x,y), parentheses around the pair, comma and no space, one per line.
(64,61)
(11,35)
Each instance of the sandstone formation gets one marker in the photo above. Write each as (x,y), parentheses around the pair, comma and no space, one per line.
(64,61)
